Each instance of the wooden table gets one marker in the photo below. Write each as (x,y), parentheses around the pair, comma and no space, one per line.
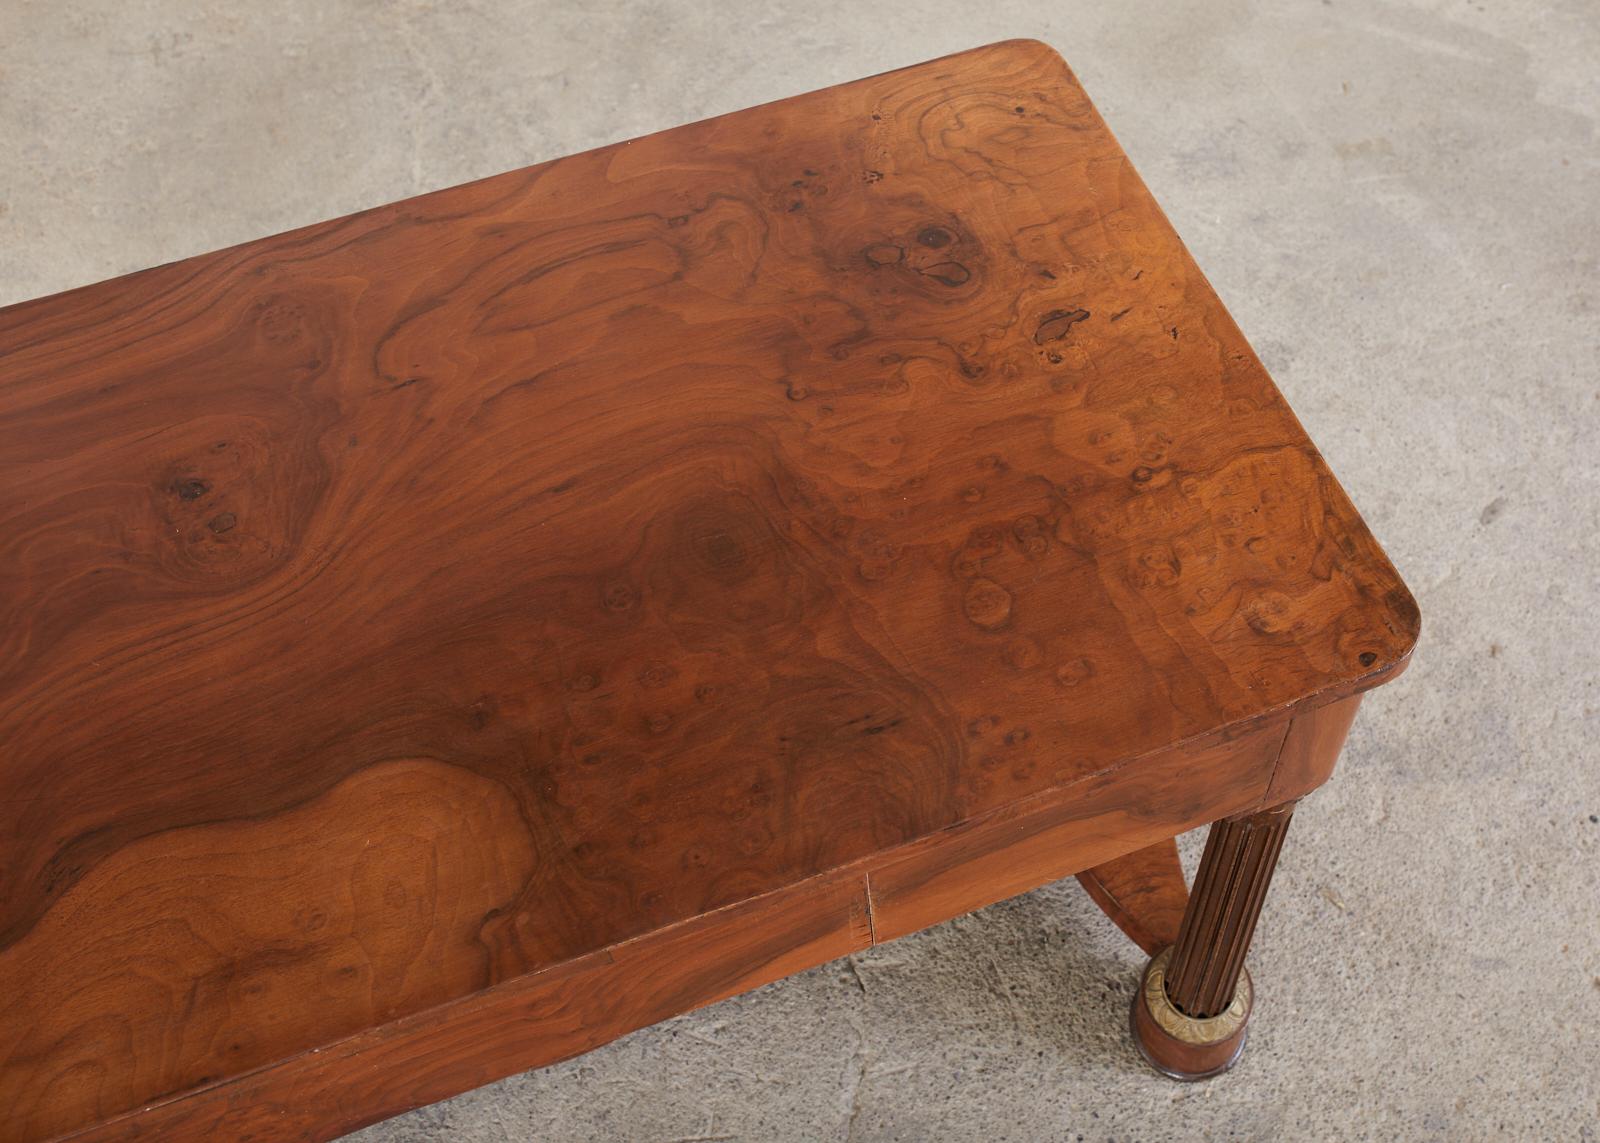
(441,640)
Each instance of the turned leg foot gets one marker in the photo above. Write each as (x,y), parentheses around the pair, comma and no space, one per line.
(1193,1004)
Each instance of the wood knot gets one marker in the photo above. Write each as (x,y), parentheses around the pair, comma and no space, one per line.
(987,604)
(190,488)
(1055,324)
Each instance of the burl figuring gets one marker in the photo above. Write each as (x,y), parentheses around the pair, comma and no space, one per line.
(438,641)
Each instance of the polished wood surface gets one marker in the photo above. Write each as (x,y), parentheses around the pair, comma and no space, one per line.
(1144,892)
(552,1014)
(1311,748)
(533,1020)
(401,609)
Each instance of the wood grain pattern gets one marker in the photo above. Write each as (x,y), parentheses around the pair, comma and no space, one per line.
(397,608)
(1020,848)
(1144,892)
(537,1019)
(1311,748)
(549,1015)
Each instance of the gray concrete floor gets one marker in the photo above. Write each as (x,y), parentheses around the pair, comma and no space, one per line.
(1400,203)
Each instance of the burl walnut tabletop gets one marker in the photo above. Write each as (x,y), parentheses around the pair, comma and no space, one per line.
(440,640)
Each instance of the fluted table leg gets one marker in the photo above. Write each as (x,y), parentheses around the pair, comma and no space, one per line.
(1192,1007)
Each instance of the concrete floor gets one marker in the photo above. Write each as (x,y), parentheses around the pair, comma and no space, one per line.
(1401,204)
